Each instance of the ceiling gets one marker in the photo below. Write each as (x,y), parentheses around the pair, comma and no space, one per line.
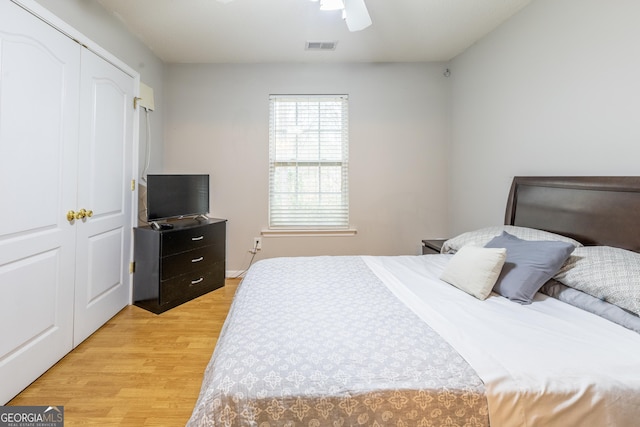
(252,31)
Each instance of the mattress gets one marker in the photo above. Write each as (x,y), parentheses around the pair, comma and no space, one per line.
(382,341)
(322,341)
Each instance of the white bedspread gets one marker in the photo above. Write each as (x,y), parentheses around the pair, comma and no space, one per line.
(544,364)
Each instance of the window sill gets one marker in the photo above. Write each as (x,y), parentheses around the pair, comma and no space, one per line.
(308,232)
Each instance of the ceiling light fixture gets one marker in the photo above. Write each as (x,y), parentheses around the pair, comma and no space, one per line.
(354,12)
(331,5)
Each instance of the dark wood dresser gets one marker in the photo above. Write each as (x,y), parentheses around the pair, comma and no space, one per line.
(173,266)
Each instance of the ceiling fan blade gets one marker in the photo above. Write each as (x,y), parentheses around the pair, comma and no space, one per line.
(356,15)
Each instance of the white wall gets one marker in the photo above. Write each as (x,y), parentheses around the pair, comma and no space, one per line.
(103,28)
(553,91)
(217,122)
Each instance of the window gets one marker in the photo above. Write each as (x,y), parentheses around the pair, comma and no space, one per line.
(308,162)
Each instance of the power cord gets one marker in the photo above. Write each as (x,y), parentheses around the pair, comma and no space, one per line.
(253,251)
(142,213)
(147,148)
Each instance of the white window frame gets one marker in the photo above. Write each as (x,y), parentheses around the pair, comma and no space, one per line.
(294,139)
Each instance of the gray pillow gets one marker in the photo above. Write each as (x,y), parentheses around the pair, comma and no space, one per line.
(529,264)
(591,304)
(611,274)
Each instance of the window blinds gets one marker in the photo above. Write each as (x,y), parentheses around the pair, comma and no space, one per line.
(308,161)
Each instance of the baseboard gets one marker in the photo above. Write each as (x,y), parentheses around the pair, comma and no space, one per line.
(231,274)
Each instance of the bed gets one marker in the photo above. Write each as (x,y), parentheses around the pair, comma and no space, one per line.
(460,338)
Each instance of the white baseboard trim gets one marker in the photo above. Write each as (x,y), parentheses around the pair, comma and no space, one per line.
(230,274)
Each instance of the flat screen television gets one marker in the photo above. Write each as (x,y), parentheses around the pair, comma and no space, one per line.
(175,196)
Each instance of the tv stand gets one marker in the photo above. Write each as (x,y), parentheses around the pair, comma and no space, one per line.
(175,265)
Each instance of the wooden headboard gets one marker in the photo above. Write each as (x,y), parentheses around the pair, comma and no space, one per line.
(602,210)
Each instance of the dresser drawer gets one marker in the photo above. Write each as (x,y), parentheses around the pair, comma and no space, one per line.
(184,287)
(181,240)
(186,262)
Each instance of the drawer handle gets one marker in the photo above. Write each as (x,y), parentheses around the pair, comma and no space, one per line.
(195,282)
(195,239)
(197,259)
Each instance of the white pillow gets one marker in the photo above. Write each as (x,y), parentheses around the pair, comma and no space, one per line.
(482,236)
(475,269)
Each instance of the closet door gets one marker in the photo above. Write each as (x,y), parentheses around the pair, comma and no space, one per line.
(39,79)
(104,188)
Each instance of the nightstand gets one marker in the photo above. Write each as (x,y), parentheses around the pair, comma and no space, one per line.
(432,246)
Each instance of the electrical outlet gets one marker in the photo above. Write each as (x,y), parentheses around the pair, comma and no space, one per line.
(257,243)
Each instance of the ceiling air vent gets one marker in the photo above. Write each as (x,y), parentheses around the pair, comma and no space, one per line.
(320,45)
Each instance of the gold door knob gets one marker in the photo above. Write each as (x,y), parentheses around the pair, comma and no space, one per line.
(71,215)
(81,213)
(89,213)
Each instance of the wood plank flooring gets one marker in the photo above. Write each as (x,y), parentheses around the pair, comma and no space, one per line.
(139,369)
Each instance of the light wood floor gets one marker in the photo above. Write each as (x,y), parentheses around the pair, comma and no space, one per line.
(139,369)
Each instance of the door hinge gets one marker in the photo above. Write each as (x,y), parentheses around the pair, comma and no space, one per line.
(132,267)
(133,185)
